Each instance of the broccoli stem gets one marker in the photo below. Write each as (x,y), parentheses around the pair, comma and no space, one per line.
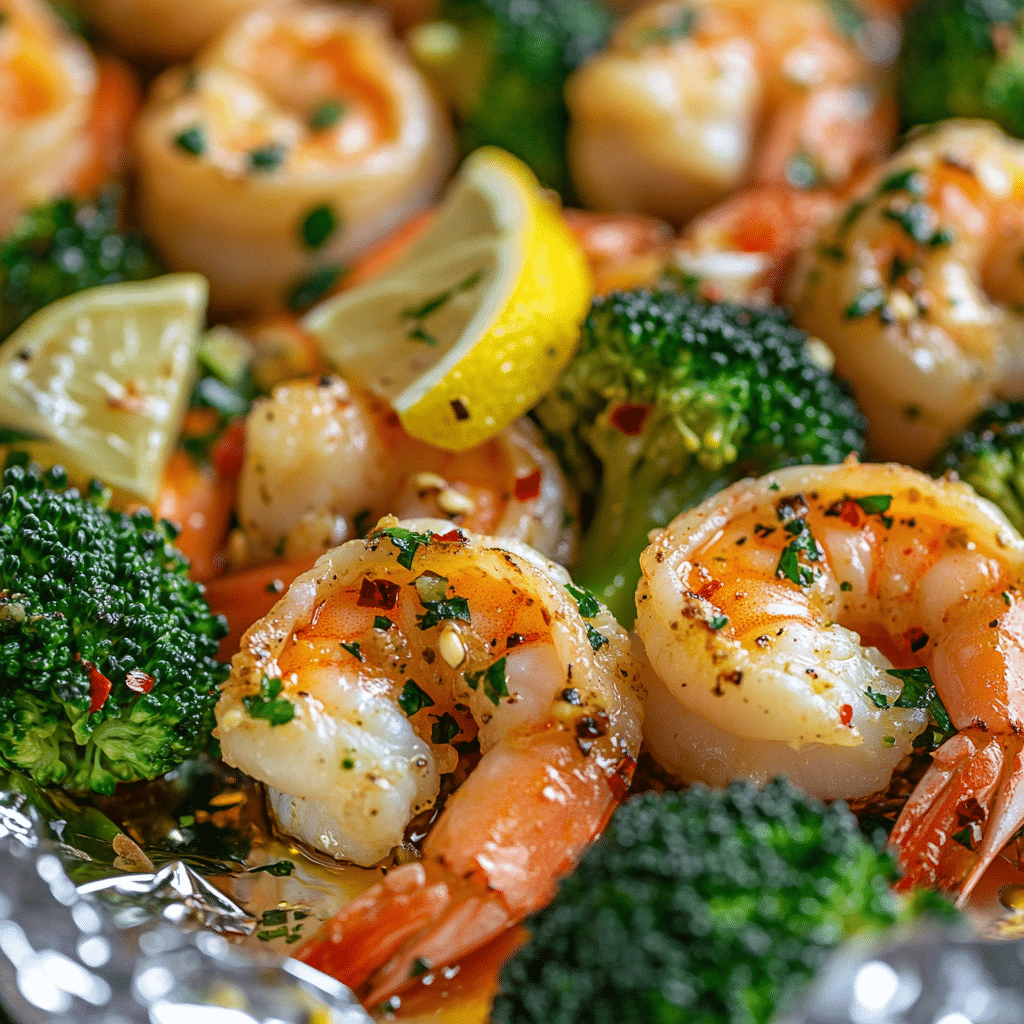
(633,500)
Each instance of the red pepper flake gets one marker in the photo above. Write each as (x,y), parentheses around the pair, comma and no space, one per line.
(620,782)
(709,589)
(528,486)
(139,681)
(845,714)
(227,453)
(917,638)
(99,687)
(848,511)
(459,408)
(451,537)
(629,418)
(377,593)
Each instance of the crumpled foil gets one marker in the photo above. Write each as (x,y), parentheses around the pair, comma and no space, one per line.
(137,948)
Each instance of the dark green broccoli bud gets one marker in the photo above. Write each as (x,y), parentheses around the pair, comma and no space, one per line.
(506,69)
(107,670)
(989,455)
(703,907)
(963,58)
(63,247)
(668,400)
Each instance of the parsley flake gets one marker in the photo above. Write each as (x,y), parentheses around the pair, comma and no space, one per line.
(438,611)
(444,729)
(413,699)
(493,678)
(588,605)
(268,705)
(353,649)
(408,542)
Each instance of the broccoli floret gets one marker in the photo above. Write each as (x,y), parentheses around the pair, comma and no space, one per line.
(671,398)
(63,247)
(703,907)
(107,670)
(503,65)
(963,58)
(989,455)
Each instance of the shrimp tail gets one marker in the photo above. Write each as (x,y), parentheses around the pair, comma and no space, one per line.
(962,813)
(421,916)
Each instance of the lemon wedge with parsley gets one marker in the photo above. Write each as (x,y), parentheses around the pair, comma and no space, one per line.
(468,329)
(99,381)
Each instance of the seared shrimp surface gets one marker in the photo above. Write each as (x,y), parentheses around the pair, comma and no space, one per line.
(413,655)
(773,613)
(692,100)
(917,285)
(295,141)
(47,80)
(323,461)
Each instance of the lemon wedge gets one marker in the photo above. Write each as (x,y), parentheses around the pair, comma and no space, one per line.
(101,379)
(470,326)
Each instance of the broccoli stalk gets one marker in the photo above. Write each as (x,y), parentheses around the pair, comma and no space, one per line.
(107,670)
(989,455)
(705,906)
(503,64)
(963,58)
(64,247)
(668,400)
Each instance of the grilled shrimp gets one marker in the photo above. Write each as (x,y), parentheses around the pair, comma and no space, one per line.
(917,287)
(774,614)
(164,30)
(294,142)
(47,80)
(323,461)
(692,100)
(425,652)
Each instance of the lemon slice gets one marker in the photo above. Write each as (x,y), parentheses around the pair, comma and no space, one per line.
(102,379)
(469,327)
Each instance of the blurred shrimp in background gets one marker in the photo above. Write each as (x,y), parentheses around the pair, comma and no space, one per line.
(291,145)
(47,81)
(692,100)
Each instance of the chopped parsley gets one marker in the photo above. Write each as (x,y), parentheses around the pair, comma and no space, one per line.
(910,179)
(413,699)
(353,649)
(918,221)
(408,543)
(326,115)
(865,304)
(266,158)
(493,679)
(268,705)
(719,621)
(438,611)
(588,605)
(192,140)
(444,729)
(318,225)
(382,622)
(919,692)
(311,289)
(279,869)
(597,639)
(790,567)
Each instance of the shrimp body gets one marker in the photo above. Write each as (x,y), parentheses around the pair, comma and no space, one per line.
(773,613)
(323,461)
(917,284)
(164,30)
(47,80)
(692,100)
(404,665)
(294,142)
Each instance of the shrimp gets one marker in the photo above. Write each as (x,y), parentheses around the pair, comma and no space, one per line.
(743,249)
(693,100)
(47,81)
(291,145)
(773,615)
(406,659)
(164,30)
(917,286)
(324,460)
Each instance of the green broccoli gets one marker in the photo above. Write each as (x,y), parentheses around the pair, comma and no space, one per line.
(989,455)
(64,247)
(503,65)
(963,58)
(703,907)
(671,398)
(107,670)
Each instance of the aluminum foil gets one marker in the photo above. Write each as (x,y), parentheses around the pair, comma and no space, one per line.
(135,947)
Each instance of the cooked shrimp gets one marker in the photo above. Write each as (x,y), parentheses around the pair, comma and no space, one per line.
(293,143)
(47,80)
(692,100)
(917,287)
(164,30)
(743,249)
(773,615)
(323,461)
(414,655)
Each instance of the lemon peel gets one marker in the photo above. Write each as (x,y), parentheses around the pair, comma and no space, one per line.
(469,328)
